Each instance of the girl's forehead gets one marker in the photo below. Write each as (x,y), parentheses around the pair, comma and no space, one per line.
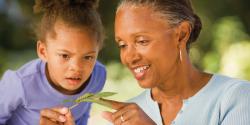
(62,30)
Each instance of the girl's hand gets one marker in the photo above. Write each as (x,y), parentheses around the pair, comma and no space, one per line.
(56,116)
(127,114)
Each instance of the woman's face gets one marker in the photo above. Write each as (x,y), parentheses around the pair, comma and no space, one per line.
(70,54)
(148,45)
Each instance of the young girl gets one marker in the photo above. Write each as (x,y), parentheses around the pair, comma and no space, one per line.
(70,35)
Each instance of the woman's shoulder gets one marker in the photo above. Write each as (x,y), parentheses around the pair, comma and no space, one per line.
(222,82)
(235,100)
(231,83)
(235,90)
(238,87)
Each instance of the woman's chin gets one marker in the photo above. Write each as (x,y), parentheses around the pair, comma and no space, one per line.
(145,85)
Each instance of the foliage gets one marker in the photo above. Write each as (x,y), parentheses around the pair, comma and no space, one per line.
(225,22)
(91,97)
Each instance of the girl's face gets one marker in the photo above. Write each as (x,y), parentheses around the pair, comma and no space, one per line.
(70,54)
(148,45)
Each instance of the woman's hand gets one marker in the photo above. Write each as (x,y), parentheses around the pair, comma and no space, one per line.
(56,116)
(127,114)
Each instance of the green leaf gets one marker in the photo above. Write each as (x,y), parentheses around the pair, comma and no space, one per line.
(86,95)
(67,100)
(94,98)
(99,101)
(104,94)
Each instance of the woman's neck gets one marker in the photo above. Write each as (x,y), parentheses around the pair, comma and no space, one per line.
(182,84)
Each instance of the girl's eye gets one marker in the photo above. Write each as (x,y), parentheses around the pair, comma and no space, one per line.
(64,56)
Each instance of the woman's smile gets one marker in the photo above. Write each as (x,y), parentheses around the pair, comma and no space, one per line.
(140,71)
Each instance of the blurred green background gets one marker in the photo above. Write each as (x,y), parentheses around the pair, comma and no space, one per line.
(223,46)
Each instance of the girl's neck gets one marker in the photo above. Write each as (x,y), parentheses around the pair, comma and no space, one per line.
(61,89)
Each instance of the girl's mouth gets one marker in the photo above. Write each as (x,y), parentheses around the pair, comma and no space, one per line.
(73,80)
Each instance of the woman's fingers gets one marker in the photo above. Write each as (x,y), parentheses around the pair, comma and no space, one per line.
(123,118)
(115,104)
(127,114)
(120,114)
(107,115)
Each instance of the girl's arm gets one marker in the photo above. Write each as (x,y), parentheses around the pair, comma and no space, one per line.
(11,95)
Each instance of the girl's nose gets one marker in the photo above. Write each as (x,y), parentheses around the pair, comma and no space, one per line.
(76,65)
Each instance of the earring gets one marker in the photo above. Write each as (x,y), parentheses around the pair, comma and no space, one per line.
(180,55)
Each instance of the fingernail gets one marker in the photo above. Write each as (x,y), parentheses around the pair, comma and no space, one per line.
(62,119)
(64,110)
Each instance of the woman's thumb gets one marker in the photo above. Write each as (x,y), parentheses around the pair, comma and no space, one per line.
(107,115)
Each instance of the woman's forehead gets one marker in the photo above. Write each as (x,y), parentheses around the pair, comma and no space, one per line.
(138,19)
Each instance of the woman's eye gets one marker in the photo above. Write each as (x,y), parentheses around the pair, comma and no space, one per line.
(122,46)
(89,57)
(143,42)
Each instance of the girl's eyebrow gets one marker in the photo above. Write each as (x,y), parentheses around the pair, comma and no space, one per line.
(66,51)
(62,50)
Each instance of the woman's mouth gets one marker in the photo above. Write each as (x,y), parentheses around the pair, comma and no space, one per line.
(140,72)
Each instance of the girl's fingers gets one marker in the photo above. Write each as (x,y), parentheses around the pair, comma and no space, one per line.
(53,115)
(70,119)
(46,121)
(62,110)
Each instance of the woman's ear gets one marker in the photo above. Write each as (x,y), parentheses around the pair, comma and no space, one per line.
(184,32)
(42,51)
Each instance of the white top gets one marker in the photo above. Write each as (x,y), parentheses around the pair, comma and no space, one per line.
(223,101)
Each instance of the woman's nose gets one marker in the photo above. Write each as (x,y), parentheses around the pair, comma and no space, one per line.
(132,56)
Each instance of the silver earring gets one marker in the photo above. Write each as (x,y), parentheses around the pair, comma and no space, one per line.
(180,55)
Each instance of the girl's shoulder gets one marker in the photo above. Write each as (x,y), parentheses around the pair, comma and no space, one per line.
(99,67)
(31,67)
(25,70)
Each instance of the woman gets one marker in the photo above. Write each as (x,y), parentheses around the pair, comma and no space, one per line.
(154,38)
